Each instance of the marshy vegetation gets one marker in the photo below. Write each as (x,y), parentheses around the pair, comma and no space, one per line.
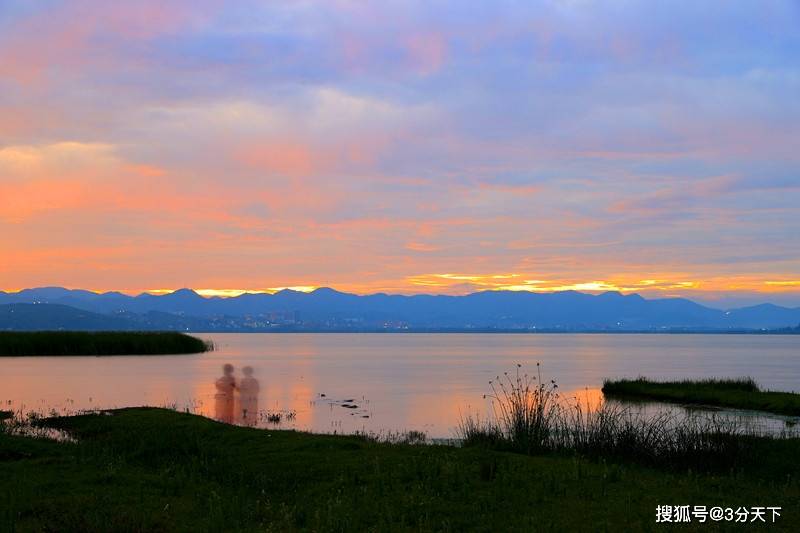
(531,417)
(276,417)
(572,467)
(151,469)
(32,343)
(740,393)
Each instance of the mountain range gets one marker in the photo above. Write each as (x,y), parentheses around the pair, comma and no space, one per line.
(326,309)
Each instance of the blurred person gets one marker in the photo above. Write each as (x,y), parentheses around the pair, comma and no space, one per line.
(248,398)
(224,397)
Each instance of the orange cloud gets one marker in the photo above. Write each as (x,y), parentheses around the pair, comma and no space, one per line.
(228,293)
(21,200)
(422,247)
(524,282)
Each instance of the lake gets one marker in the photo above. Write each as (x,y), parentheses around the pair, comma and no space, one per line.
(389,382)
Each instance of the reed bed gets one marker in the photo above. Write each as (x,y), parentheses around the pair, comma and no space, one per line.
(531,417)
(737,393)
(742,384)
(58,343)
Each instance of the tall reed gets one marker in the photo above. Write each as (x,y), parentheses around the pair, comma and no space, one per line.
(525,408)
(531,417)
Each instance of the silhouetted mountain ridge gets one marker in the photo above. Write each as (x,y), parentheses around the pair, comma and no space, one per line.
(327,308)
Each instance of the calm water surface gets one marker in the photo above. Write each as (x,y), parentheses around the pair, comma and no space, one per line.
(397,381)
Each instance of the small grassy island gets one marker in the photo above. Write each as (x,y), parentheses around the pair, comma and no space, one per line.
(742,393)
(32,343)
(148,469)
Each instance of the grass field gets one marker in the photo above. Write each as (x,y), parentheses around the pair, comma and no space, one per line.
(157,470)
(741,393)
(31,343)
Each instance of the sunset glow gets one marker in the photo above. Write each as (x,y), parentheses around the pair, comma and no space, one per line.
(373,265)
(229,293)
(548,146)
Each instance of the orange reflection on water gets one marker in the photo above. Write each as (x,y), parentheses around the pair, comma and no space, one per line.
(454,407)
(291,397)
(589,399)
(397,381)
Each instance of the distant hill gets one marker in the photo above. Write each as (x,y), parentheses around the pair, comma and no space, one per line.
(54,317)
(35,317)
(328,309)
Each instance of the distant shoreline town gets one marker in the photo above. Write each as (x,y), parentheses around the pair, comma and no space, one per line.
(328,310)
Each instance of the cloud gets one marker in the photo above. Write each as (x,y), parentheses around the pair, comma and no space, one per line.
(78,33)
(360,144)
(679,198)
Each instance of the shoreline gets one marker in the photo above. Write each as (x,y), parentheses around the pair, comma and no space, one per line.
(174,471)
(741,394)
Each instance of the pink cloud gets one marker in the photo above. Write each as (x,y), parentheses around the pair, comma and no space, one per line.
(287,159)
(681,196)
(427,51)
(70,27)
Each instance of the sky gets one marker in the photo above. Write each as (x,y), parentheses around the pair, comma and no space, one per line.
(403,147)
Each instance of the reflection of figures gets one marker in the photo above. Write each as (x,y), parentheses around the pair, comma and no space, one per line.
(223,399)
(248,397)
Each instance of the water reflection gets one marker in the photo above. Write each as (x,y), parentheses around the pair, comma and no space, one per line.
(745,421)
(414,382)
(589,399)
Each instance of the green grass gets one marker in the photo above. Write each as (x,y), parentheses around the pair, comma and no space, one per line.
(742,393)
(158,470)
(28,343)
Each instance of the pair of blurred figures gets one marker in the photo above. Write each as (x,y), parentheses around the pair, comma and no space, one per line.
(236,400)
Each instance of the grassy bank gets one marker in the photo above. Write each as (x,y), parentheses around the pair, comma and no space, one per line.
(741,393)
(27,343)
(532,417)
(158,470)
